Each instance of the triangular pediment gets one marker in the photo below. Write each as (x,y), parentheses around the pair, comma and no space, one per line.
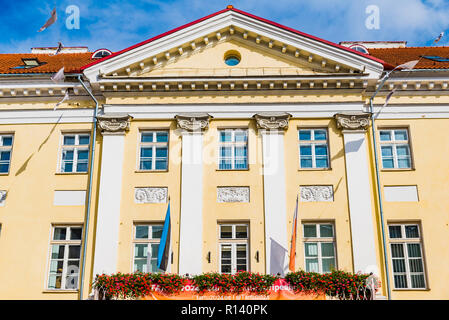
(266,49)
(209,61)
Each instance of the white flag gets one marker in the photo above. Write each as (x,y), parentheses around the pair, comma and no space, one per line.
(408,65)
(50,21)
(58,76)
(66,96)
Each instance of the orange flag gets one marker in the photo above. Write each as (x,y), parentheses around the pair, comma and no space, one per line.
(291,265)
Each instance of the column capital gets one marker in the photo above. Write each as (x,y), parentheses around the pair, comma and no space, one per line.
(272,120)
(350,122)
(114,123)
(193,122)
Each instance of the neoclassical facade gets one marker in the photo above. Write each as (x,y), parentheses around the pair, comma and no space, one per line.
(231,118)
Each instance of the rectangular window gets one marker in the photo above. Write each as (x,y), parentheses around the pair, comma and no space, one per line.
(319,247)
(75,152)
(395,149)
(65,249)
(407,256)
(233,243)
(6,141)
(233,151)
(153,150)
(146,244)
(313,148)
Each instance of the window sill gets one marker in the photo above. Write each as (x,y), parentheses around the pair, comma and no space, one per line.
(315,169)
(59,291)
(397,170)
(150,171)
(411,289)
(4,173)
(70,173)
(232,169)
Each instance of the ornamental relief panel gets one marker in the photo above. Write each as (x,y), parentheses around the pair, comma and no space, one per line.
(316,193)
(2,197)
(232,194)
(150,194)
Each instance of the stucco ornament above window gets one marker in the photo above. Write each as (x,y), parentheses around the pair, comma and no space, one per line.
(272,120)
(352,121)
(114,123)
(193,121)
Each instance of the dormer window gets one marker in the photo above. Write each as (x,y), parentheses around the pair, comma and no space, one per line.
(101,53)
(29,63)
(359,48)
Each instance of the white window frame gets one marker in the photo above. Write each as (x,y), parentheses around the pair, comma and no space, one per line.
(66,243)
(233,144)
(233,242)
(404,241)
(149,241)
(76,148)
(313,143)
(153,145)
(319,240)
(394,144)
(6,148)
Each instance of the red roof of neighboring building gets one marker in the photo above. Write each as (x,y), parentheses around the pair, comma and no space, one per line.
(72,62)
(397,56)
(231,8)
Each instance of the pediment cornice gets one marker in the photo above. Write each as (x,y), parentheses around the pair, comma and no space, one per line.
(230,24)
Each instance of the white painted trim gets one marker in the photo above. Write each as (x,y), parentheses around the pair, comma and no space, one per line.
(191,221)
(108,215)
(46,116)
(69,197)
(274,186)
(233,111)
(359,197)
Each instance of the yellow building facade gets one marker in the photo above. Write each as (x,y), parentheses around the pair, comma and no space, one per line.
(231,119)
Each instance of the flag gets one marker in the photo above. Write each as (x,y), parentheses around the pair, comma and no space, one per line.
(408,65)
(291,265)
(66,96)
(388,97)
(439,37)
(163,252)
(58,76)
(50,21)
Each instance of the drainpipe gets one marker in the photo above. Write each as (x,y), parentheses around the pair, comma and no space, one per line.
(89,189)
(387,275)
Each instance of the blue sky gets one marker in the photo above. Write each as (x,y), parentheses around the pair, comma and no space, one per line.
(117,24)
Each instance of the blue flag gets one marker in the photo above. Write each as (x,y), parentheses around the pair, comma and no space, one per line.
(163,252)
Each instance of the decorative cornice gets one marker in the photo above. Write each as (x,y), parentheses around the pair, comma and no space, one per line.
(272,120)
(114,123)
(353,121)
(193,121)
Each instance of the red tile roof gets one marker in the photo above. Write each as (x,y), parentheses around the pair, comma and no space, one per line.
(72,62)
(397,56)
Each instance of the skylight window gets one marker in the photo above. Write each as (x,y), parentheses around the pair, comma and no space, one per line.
(436,58)
(29,63)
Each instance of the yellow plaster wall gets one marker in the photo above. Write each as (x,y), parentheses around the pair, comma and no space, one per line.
(29,213)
